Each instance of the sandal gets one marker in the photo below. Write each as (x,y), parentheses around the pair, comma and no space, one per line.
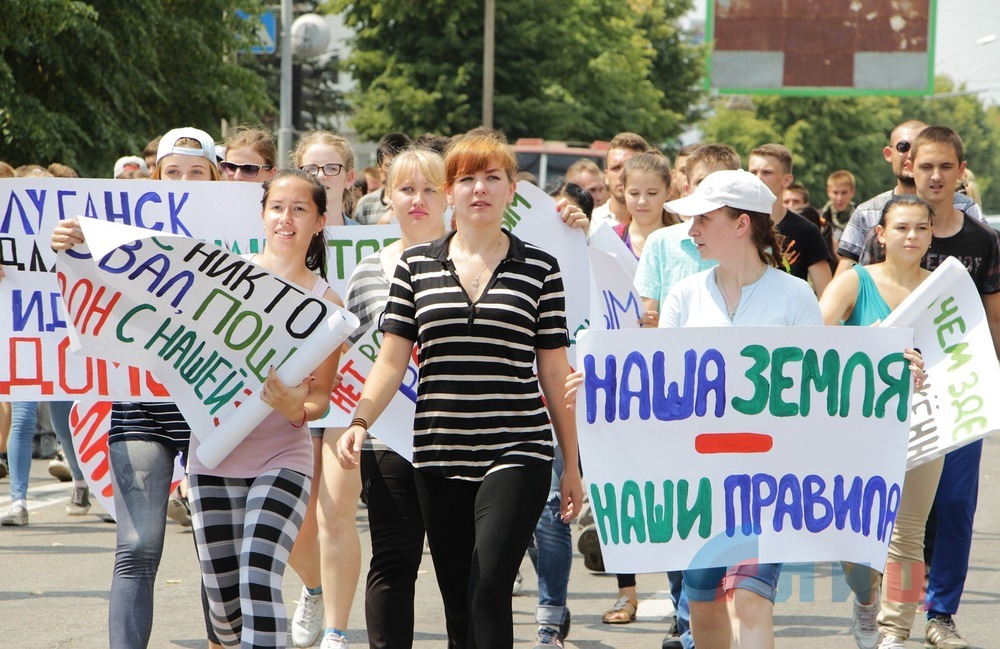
(623,612)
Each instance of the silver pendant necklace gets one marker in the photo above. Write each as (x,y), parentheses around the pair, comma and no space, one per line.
(474,284)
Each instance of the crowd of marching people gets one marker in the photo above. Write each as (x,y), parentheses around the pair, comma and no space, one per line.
(720,239)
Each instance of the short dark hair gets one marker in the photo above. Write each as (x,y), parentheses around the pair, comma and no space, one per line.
(905,199)
(390,144)
(938,135)
(578,194)
(779,152)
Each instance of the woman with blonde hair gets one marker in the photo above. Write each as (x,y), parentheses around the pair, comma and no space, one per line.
(415,191)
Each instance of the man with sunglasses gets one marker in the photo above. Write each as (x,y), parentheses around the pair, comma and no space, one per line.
(866,216)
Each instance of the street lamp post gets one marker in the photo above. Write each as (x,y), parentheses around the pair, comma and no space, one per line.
(285,99)
(984,40)
(489,21)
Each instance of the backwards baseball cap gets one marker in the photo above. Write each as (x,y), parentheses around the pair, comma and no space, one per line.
(728,188)
(168,144)
(129,163)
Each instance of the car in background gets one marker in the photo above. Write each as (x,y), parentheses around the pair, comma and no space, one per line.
(548,160)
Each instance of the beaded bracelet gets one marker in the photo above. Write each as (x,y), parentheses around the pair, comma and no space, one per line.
(358,421)
(302,423)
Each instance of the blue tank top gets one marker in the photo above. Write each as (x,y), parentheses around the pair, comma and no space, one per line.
(869,307)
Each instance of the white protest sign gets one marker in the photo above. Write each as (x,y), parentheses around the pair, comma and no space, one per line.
(32,322)
(955,407)
(709,446)
(614,302)
(206,321)
(394,426)
(603,237)
(348,245)
(533,218)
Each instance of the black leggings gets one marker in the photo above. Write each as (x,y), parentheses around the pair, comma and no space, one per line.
(397,535)
(478,534)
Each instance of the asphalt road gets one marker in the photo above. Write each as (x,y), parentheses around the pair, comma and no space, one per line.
(55,574)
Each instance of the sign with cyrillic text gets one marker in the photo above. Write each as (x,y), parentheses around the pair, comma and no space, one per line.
(209,323)
(707,447)
(39,365)
(957,404)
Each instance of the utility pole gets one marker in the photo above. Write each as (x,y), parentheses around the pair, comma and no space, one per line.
(285,101)
(489,23)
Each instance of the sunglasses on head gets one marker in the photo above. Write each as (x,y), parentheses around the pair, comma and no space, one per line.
(249,170)
(332,169)
(903,146)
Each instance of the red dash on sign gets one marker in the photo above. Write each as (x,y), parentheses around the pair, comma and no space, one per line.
(708,443)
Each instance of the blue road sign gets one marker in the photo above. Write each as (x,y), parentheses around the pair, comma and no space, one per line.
(267,33)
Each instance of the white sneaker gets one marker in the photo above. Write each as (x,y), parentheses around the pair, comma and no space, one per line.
(17,517)
(890,641)
(333,641)
(307,623)
(864,625)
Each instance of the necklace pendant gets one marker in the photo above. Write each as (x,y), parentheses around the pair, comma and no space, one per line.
(475,285)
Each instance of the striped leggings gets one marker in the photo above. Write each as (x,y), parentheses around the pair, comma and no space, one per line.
(244,529)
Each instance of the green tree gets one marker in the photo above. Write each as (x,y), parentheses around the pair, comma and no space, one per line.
(828,133)
(85,82)
(823,133)
(565,69)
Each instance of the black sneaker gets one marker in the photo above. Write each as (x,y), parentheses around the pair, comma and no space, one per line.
(673,638)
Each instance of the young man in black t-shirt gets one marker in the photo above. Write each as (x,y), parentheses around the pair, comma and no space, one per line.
(804,253)
(936,161)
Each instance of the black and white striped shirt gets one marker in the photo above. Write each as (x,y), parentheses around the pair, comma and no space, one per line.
(479,406)
(149,421)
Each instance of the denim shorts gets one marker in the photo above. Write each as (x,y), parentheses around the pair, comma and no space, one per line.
(710,584)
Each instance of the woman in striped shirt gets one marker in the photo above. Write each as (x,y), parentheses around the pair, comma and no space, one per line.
(483,308)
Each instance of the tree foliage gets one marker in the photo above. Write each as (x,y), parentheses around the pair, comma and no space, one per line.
(823,133)
(830,133)
(85,82)
(565,69)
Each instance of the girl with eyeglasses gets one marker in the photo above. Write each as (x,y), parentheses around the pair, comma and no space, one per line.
(251,155)
(329,158)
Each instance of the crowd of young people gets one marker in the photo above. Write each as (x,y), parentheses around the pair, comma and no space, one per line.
(486,313)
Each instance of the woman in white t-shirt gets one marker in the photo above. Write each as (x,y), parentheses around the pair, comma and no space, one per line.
(731,224)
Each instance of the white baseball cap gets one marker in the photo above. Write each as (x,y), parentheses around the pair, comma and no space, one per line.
(728,188)
(168,144)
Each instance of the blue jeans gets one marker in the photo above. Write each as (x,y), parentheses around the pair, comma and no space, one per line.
(59,416)
(22,430)
(955,502)
(141,472)
(681,607)
(553,554)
